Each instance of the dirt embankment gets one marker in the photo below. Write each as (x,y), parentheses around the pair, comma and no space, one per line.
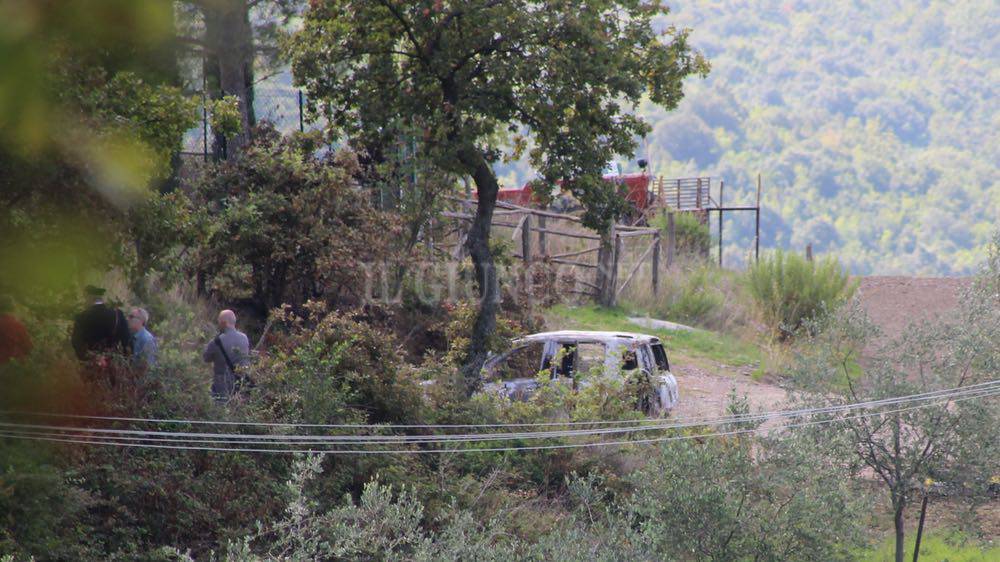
(893,303)
(706,394)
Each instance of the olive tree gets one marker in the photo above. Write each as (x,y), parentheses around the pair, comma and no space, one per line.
(903,446)
(561,74)
(745,497)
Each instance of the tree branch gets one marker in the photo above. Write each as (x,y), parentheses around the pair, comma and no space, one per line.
(407,28)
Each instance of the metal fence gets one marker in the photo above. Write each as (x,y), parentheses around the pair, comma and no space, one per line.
(276,101)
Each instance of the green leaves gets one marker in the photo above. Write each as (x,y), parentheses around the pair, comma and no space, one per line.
(567,74)
(790,290)
(225,116)
(287,226)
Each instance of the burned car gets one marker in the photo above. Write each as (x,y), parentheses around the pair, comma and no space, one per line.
(578,356)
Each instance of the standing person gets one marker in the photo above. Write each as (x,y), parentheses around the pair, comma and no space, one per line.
(15,343)
(143,342)
(100,328)
(227,352)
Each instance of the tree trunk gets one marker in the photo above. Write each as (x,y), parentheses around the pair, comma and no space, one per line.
(899,524)
(229,67)
(478,245)
(920,527)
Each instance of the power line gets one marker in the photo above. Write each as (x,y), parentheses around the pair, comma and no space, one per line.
(383,427)
(659,425)
(153,439)
(85,441)
(319,441)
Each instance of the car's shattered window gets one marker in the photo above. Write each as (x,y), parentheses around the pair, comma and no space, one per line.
(523,361)
(660,355)
(630,361)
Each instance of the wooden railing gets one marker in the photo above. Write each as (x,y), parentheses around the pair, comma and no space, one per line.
(684,194)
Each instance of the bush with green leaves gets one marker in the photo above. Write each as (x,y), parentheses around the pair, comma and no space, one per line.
(287,225)
(690,233)
(790,290)
(742,498)
(329,367)
(693,292)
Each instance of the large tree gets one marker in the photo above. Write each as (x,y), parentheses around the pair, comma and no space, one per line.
(563,73)
(231,39)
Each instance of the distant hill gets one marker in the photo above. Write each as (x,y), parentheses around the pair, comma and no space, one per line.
(874,126)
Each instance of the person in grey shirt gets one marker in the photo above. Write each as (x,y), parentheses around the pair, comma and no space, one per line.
(231,343)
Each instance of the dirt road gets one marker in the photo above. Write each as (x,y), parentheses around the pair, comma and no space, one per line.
(705,393)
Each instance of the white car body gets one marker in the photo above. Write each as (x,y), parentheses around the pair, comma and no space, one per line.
(607,349)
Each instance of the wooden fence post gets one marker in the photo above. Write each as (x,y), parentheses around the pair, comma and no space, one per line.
(526,239)
(656,262)
(671,239)
(606,265)
(809,252)
(616,259)
(542,249)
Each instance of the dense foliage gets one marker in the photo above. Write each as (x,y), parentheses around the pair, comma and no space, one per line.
(283,225)
(286,230)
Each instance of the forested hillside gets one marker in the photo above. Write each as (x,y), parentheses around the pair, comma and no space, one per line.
(873,124)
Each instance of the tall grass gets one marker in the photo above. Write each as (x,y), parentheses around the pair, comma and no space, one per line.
(789,290)
(950,547)
(691,292)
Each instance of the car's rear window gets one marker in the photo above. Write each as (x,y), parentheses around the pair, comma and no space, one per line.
(660,355)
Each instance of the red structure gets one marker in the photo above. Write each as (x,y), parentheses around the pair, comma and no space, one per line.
(637,186)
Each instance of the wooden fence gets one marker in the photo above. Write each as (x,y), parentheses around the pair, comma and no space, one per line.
(545,237)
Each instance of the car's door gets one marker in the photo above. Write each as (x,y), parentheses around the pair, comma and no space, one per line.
(647,361)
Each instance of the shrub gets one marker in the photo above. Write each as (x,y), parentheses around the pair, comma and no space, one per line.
(790,290)
(288,226)
(728,497)
(691,234)
(331,368)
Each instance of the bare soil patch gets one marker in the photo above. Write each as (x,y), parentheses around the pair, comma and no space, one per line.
(704,393)
(893,303)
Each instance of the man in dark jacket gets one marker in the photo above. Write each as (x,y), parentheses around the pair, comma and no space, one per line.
(100,328)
